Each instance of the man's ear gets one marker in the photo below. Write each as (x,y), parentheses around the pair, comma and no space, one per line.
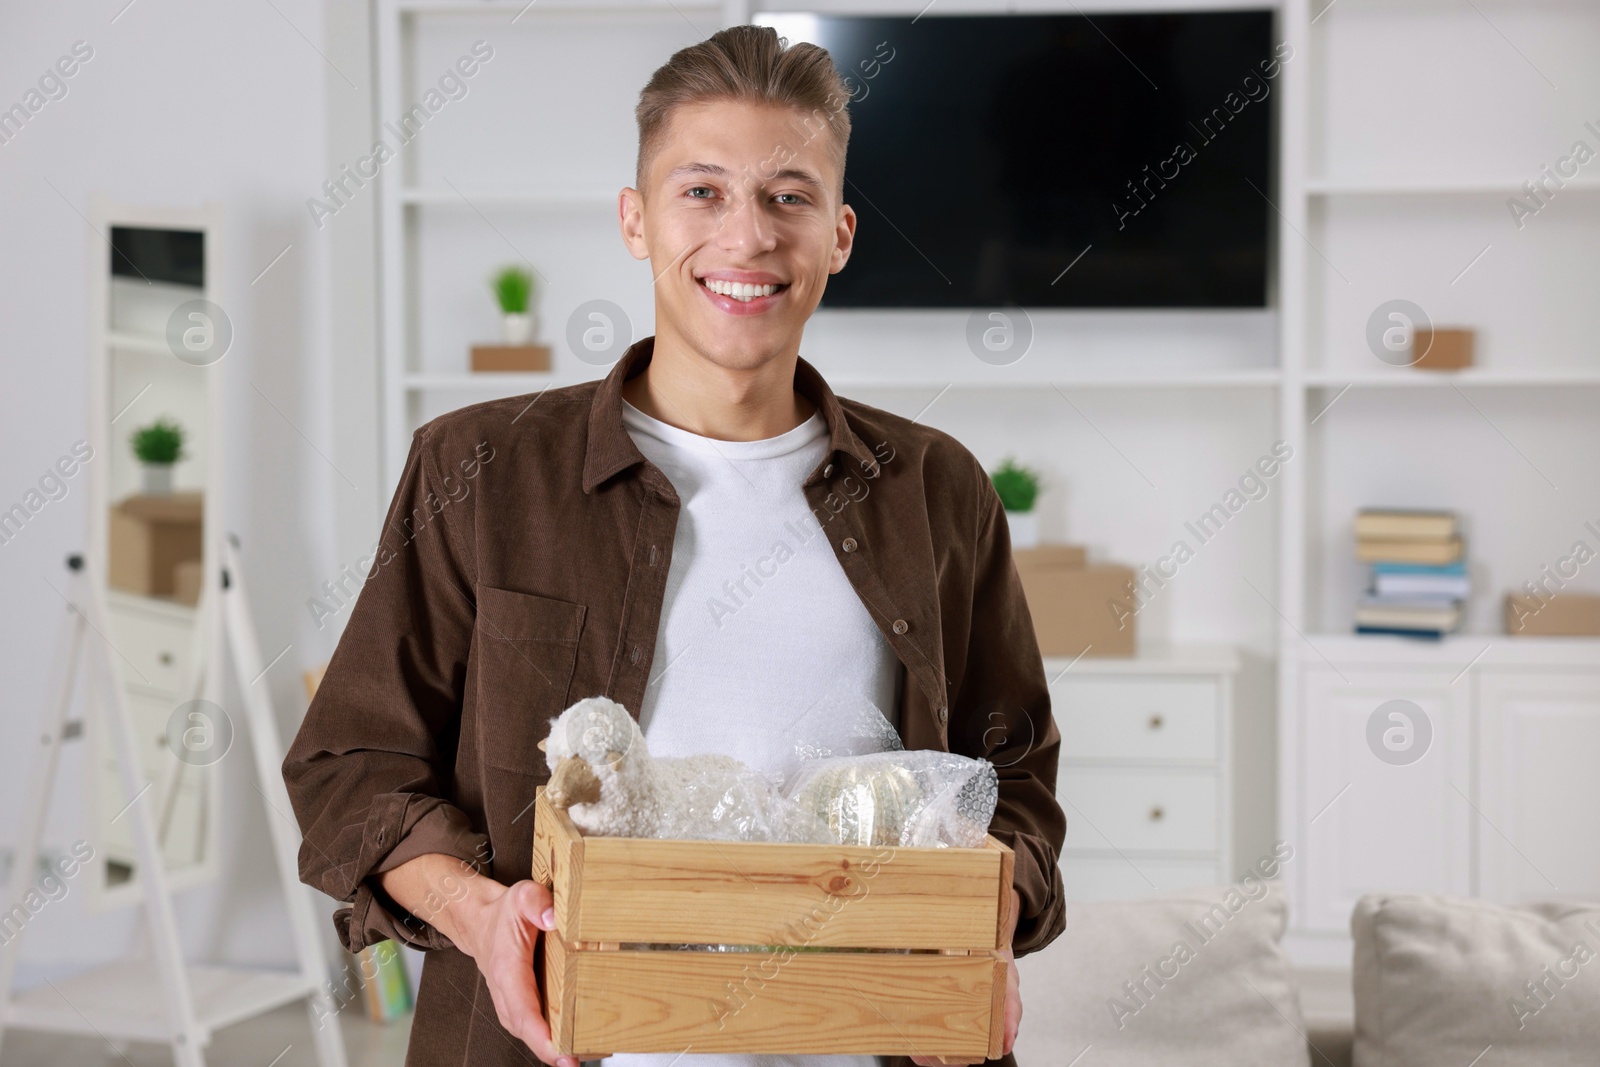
(844,238)
(630,216)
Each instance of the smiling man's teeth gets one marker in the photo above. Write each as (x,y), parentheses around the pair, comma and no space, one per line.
(738,290)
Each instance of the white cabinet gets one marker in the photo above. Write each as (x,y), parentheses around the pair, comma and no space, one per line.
(1499,802)
(1539,796)
(155,639)
(1145,771)
(1374,823)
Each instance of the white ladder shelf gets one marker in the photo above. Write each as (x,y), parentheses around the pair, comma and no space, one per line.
(162,998)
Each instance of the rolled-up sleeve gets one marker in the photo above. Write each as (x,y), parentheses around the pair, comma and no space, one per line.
(369,772)
(1002,713)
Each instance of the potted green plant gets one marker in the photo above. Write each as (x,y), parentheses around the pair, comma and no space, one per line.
(158,447)
(513,289)
(1018,488)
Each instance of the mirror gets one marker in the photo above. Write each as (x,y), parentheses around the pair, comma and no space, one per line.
(157,334)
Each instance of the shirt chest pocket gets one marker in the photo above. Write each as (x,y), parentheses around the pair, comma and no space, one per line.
(526,647)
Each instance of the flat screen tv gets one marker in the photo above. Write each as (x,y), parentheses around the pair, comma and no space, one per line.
(1072,161)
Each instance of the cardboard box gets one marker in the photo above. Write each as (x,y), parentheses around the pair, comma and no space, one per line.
(1564,615)
(186,580)
(312,678)
(1442,349)
(1045,557)
(148,537)
(1078,607)
(504,358)
(803,988)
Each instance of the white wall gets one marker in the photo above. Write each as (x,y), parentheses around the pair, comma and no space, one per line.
(183,101)
(258,104)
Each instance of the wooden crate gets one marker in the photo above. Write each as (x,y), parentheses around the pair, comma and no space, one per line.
(946,997)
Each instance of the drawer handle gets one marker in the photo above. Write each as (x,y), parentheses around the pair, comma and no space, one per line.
(1156,813)
(1156,722)
(166,659)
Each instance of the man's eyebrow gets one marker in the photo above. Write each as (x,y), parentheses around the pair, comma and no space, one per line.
(715,170)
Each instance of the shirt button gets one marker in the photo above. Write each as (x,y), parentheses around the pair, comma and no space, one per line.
(900,626)
(634,656)
(944,713)
(849,544)
(827,470)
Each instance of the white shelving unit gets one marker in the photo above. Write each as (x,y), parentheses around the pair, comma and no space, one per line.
(414,193)
(1402,129)
(420,378)
(1361,825)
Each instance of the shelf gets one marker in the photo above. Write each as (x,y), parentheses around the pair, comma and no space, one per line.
(149,343)
(1228,379)
(126,1000)
(1152,658)
(1407,378)
(1447,187)
(515,9)
(169,611)
(522,382)
(509,382)
(1452,652)
(552,198)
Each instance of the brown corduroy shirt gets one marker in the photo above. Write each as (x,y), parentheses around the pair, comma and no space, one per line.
(523,566)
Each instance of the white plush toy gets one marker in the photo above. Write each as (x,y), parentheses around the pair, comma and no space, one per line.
(609,783)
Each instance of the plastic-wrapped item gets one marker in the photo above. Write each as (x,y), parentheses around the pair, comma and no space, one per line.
(849,781)
(732,803)
(922,798)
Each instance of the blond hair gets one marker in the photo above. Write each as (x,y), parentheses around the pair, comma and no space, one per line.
(748,64)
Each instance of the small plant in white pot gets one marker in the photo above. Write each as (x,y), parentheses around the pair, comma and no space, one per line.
(513,288)
(1018,488)
(158,447)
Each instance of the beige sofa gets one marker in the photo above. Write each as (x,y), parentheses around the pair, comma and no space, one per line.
(1199,978)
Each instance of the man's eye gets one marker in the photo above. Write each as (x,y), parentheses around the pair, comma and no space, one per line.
(699,188)
(796,198)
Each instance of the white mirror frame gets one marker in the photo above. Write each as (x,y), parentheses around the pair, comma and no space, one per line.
(204,680)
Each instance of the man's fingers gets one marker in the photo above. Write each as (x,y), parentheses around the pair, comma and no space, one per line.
(534,903)
(516,997)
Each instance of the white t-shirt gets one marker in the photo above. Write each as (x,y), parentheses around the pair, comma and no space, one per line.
(762,639)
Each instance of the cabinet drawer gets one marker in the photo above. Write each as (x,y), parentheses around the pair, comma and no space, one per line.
(1167,811)
(1139,718)
(156,647)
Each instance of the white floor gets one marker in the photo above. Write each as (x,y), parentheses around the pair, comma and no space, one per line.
(284,1033)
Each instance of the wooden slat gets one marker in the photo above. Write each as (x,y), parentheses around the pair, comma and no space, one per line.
(824,1003)
(557,985)
(1008,861)
(762,893)
(997,1009)
(558,850)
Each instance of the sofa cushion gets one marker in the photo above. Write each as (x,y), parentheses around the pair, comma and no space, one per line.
(1189,979)
(1439,980)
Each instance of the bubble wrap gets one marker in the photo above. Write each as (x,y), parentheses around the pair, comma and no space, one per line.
(849,781)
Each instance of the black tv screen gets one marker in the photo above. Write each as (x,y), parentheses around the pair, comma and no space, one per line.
(1111,160)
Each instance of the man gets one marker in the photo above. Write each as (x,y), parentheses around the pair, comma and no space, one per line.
(707,536)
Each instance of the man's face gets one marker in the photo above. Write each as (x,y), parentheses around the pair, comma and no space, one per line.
(739,196)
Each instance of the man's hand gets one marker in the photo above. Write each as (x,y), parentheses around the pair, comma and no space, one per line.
(1013,1019)
(497,925)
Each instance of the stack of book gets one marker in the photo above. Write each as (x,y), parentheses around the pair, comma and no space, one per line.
(1419,581)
